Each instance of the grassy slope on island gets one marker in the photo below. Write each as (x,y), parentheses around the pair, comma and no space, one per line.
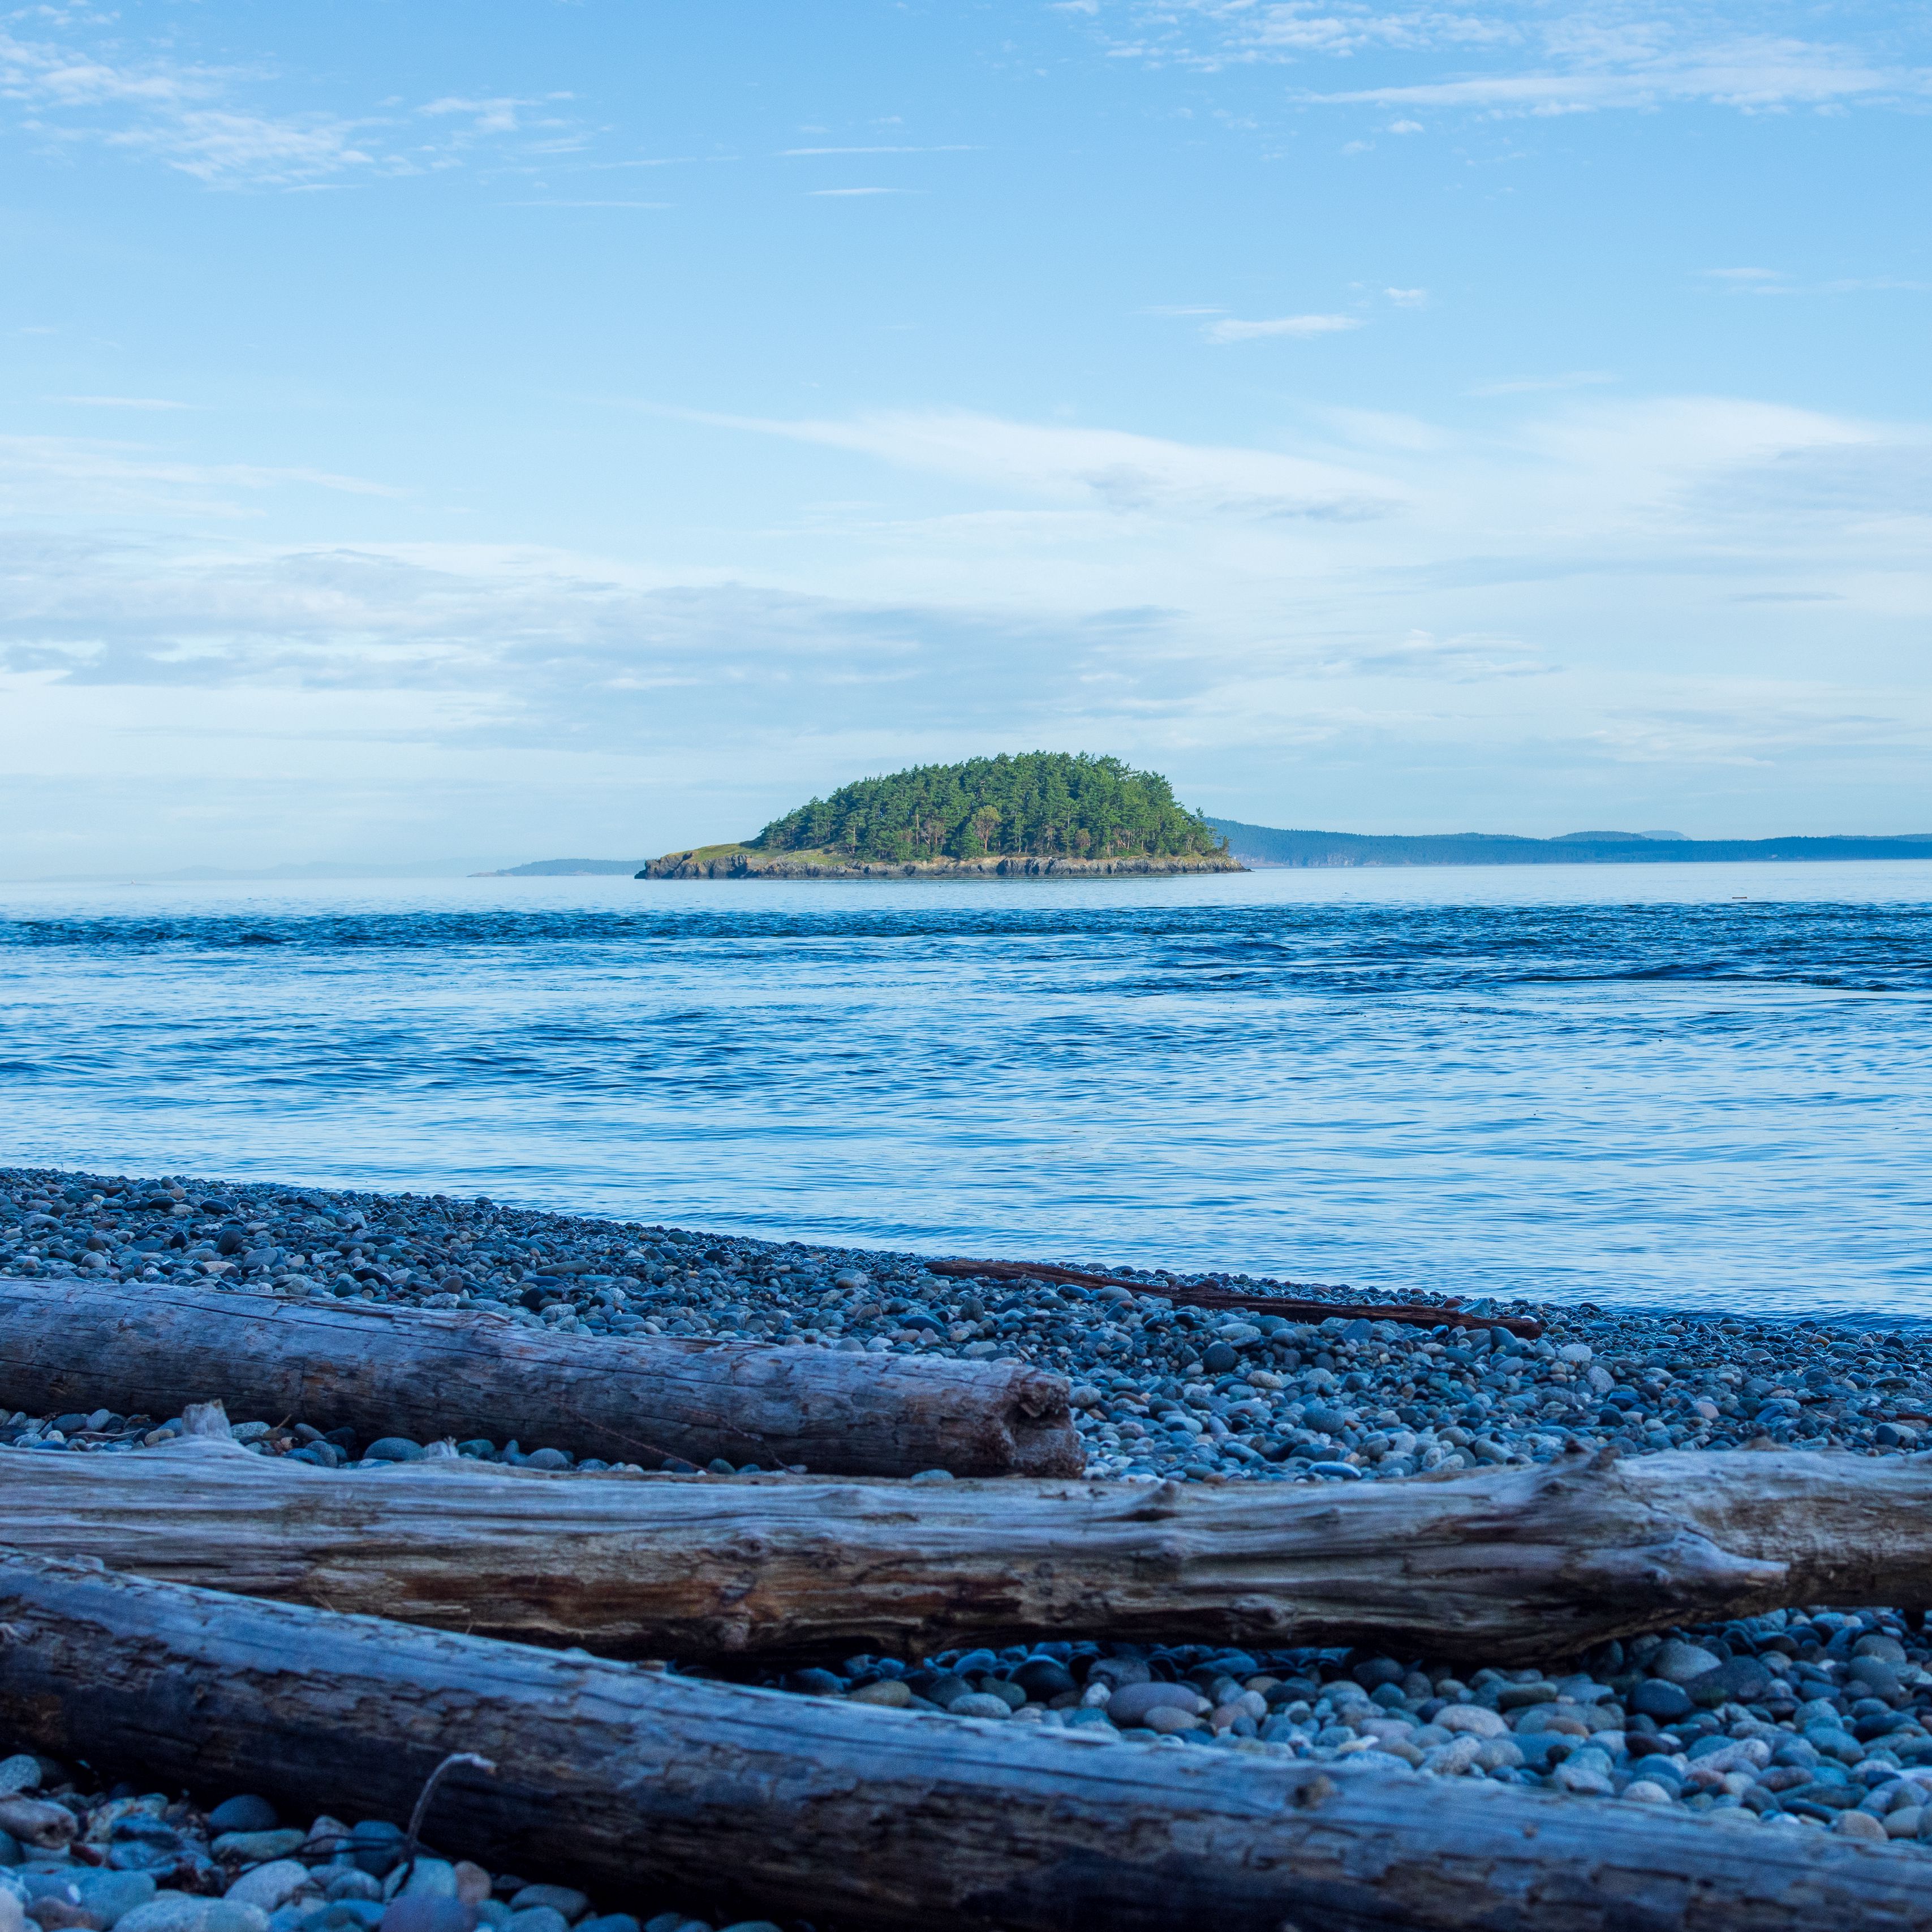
(1040,805)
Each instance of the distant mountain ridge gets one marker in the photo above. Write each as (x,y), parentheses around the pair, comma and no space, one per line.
(1270,845)
(566,868)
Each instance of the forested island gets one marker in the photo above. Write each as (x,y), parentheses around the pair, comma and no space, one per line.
(1031,815)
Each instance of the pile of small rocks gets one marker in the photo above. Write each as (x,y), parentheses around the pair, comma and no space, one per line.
(119,1859)
(1807,1719)
(1162,1390)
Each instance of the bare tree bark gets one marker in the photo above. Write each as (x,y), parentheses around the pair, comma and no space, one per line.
(424,1372)
(864,1816)
(1523,1565)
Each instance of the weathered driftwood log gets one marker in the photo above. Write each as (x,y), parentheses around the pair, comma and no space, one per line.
(1415,1315)
(473,1371)
(864,1816)
(1527,1564)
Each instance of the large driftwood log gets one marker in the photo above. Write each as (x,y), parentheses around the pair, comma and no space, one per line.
(1525,1565)
(429,1372)
(864,1816)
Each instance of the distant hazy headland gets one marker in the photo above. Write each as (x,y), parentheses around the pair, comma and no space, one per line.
(1265,845)
(1039,815)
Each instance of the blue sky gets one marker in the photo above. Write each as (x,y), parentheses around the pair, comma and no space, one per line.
(518,428)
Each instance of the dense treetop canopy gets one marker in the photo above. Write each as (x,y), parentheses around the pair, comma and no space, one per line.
(1035,805)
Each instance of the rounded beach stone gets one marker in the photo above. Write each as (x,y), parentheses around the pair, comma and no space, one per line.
(1860,1824)
(561,1898)
(1167,1720)
(1131,1703)
(246,1813)
(422,1912)
(178,1912)
(979,1704)
(393,1449)
(1474,1719)
(428,1878)
(1876,1643)
(888,1691)
(109,1896)
(270,1885)
(1677,1662)
(376,1846)
(1656,1697)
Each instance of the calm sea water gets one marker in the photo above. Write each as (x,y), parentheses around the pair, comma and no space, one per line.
(1704,1087)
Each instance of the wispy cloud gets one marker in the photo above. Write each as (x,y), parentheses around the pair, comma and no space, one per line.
(1108,469)
(947,147)
(1514,57)
(120,402)
(1233,330)
(1775,282)
(503,114)
(46,476)
(192,117)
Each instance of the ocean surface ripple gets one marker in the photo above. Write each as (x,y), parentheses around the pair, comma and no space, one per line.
(1594,1086)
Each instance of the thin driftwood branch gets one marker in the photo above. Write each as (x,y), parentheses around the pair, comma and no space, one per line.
(865,1817)
(1417,1315)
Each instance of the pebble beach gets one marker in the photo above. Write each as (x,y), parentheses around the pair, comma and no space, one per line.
(1812,1718)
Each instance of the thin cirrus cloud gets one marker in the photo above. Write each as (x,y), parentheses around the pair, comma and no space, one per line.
(189,117)
(949,148)
(1114,470)
(1297,326)
(1516,57)
(120,402)
(1237,560)
(1775,282)
(49,476)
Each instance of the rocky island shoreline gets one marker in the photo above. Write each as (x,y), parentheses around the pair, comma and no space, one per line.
(1807,1718)
(743,862)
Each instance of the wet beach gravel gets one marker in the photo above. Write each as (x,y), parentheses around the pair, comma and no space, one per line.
(1809,1719)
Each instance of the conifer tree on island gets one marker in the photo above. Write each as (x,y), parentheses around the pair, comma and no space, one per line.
(1073,808)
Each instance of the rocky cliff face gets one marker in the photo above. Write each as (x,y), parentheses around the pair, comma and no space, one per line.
(735,863)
